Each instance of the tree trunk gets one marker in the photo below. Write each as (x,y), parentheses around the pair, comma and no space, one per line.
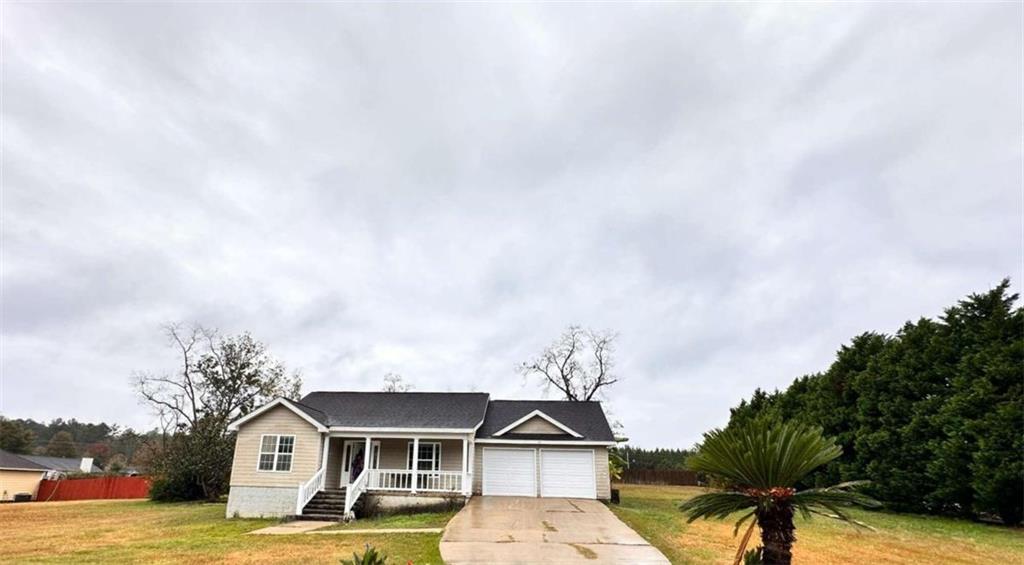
(777,534)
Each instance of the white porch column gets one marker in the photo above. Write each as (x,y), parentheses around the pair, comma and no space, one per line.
(415,462)
(465,466)
(368,456)
(325,451)
(472,466)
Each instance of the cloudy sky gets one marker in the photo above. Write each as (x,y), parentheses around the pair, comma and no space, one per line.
(439,190)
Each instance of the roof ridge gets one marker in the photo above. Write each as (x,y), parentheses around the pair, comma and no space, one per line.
(396,393)
(546,400)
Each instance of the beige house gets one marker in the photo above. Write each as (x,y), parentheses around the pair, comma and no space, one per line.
(18,476)
(309,457)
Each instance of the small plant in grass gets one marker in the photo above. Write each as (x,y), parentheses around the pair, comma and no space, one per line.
(753,557)
(369,557)
(761,462)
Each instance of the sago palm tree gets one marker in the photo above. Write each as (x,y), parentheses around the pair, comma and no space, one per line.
(761,462)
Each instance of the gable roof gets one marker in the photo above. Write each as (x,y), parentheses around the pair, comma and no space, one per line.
(541,415)
(401,410)
(12,461)
(585,418)
(71,464)
(316,418)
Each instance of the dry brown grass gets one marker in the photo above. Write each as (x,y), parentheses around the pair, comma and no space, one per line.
(899,538)
(141,531)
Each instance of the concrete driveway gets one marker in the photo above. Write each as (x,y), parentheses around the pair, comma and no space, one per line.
(504,529)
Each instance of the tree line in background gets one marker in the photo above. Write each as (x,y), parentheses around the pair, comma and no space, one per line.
(654,459)
(113,448)
(932,416)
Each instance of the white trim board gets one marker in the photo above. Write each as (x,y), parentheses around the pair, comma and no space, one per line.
(563,443)
(359,430)
(537,414)
(233,426)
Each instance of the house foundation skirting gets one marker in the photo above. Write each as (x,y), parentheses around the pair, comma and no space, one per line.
(382,502)
(261,502)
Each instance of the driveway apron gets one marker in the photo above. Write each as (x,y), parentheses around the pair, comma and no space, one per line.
(504,529)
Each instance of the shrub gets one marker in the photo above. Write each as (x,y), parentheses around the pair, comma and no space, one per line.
(370,557)
(175,488)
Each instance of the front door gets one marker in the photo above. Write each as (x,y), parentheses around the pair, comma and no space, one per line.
(353,462)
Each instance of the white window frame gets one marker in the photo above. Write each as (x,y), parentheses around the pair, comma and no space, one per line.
(277,452)
(437,451)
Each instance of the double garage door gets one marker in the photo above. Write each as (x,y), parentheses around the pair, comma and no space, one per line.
(567,473)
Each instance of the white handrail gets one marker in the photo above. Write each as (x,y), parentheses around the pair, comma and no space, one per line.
(309,489)
(354,490)
(401,479)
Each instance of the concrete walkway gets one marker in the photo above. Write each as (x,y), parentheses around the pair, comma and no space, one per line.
(493,529)
(314,527)
(288,528)
(383,531)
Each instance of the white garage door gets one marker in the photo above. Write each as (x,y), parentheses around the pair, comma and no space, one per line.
(510,472)
(567,473)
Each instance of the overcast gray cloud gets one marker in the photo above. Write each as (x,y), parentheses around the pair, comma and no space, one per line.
(438,190)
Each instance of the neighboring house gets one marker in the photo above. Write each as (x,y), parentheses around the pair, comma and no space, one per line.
(18,475)
(307,457)
(60,466)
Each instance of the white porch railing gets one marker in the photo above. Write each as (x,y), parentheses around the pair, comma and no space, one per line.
(309,489)
(354,490)
(428,481)
(390,479)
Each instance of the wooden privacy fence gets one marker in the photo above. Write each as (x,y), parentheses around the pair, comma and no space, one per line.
(659,477)
(93,489)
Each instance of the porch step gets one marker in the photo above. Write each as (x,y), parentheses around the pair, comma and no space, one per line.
(322,517)
(328,504)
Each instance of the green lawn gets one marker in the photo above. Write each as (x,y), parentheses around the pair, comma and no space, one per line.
(146,532)
(898,538)
(420,520)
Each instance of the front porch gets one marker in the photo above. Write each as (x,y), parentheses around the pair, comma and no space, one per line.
(398,464)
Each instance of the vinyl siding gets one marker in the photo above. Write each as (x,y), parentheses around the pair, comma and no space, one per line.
(18,482)
(278,421)
(604,485)
(333,478)
(536,425)
(604,491)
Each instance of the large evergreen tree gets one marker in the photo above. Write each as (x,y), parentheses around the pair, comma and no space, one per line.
(62,444)
(15,437)
(932,415)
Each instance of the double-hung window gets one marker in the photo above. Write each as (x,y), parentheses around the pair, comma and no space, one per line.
(276,453)
(429,457)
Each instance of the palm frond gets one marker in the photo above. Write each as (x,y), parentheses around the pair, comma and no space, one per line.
(834,499)
(716,505)
(743,543)
(764,453)
(742,519)
(839,495)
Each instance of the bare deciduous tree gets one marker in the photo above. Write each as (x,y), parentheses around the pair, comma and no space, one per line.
(578,364)
(218,380)
(393,382)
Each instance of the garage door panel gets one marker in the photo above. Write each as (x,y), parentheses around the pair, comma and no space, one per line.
(567,473)
(510,472)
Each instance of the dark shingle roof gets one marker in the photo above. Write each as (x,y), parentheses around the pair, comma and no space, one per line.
(72,464)
(10,460)
(585,418)
(456,410)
